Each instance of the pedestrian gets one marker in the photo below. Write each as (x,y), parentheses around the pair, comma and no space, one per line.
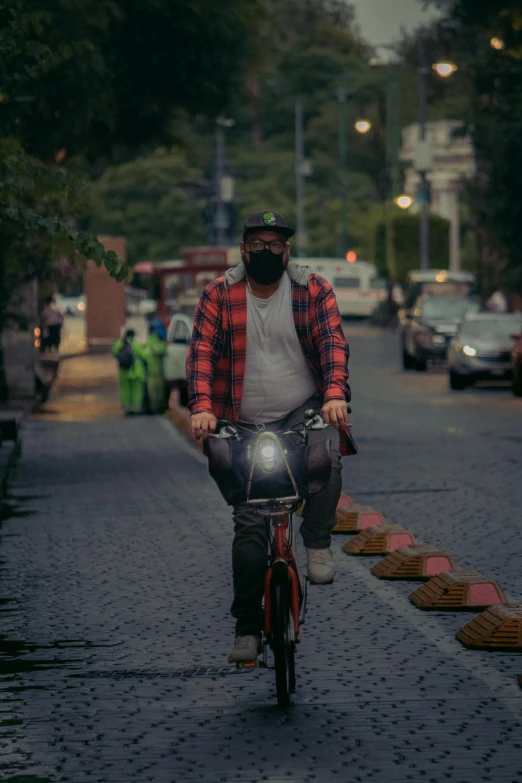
(498,302)
(51,325)
(267,345)
(131,361)
(154,352)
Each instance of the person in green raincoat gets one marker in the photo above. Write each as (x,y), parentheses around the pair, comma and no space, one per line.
(131,360)
(154,352)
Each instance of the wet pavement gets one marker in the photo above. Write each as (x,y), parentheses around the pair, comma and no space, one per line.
(115,550)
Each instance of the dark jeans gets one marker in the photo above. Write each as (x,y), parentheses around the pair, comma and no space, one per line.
(53,339)
(250,547)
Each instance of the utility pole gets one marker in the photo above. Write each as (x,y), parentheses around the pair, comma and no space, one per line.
(424,190)
(342,95)
(392,162)
(221,217)
(301,237)
(454,254)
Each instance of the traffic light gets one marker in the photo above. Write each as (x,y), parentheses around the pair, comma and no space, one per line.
(351,256)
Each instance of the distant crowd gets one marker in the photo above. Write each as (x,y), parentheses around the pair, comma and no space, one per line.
(140,368)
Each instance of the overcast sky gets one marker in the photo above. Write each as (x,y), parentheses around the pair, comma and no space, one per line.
(380,21)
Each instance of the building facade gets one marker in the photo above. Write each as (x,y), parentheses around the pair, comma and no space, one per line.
(452,162)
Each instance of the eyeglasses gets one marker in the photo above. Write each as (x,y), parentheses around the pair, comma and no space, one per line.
(258,245)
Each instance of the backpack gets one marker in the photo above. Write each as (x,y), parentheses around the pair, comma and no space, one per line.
(125,356)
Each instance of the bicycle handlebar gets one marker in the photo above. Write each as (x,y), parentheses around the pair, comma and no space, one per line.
(313,421)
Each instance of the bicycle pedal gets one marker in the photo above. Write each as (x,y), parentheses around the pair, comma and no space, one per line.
(248,664)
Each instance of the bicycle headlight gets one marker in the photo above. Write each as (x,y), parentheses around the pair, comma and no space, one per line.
(268,455)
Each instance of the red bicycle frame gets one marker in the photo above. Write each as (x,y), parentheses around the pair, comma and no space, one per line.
(281,551)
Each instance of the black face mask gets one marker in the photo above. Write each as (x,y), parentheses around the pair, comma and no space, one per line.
(265,267)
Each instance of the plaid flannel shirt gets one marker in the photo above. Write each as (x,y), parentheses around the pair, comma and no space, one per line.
(216,357)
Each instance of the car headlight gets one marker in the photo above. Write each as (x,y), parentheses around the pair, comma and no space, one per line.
(469,351)
(439,339)
(81,306)
(268,455)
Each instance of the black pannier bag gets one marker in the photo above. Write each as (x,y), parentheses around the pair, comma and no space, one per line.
(231,466)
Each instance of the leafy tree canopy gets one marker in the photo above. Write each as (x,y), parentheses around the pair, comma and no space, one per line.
(80,78)
(494,77)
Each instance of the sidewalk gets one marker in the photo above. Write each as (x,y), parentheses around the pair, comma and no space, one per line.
(86,389)
(116,595)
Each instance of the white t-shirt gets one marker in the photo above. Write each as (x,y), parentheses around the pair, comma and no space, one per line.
(278,378)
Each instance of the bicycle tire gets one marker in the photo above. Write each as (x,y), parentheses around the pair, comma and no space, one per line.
(282,644)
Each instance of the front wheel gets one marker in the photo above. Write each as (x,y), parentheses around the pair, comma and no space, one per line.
(283,645)
(408,362)
(517,383)
(457,381)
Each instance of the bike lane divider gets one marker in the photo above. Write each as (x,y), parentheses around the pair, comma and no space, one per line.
(452,590)
(354,517)
(446,587)
(414,563)
(379,540)
(499,627)
(503,686)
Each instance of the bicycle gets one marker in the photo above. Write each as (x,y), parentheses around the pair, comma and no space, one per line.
(274,462)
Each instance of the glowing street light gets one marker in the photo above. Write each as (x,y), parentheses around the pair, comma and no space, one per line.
(404,202)
(445,69)
(363,126)
(497,43)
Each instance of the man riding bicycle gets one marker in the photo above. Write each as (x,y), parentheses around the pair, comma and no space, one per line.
(268,345)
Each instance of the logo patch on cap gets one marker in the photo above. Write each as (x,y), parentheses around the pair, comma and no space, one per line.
(269,219)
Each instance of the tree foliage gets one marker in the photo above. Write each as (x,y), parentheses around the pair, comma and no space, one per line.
(495,82)
(84,79)
(305,49)
(123,196)
(97,75)
(405,234)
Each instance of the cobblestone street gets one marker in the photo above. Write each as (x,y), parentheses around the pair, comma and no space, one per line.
(116,590)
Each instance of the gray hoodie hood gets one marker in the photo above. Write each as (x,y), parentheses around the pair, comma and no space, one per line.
(299,274)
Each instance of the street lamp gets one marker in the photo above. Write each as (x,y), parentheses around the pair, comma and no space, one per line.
(444,69)
(343,94)
(497,43)
(404,201)
(363,126)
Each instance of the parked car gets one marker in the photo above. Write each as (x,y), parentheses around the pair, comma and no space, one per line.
(429,327)
(179,334)
(435,282)
(516,360)
(481,349)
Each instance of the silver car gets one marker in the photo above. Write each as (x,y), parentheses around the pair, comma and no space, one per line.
(481,348)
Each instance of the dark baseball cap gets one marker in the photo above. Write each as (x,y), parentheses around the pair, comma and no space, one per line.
(267,221)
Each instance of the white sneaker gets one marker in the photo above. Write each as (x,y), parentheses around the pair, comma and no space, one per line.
(246,648)
(320,566)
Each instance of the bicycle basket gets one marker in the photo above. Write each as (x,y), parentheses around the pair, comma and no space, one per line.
(288,468)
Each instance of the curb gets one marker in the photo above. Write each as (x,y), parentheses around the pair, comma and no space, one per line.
(77,355)
(8,454)
(180,417)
